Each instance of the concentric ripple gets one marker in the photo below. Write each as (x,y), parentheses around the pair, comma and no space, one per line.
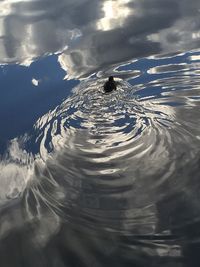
(124,165)
(113,158)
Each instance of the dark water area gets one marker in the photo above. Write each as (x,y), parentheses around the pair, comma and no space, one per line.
(93,179)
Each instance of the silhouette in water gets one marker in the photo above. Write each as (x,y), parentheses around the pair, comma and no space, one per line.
(110,85)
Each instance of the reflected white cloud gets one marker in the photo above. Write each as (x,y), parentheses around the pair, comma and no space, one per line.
(115,14)
(96,35)
(35,82)
(147,28)
(28,30)
(16,171)
(181,35)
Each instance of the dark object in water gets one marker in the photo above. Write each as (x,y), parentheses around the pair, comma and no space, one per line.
(110,85)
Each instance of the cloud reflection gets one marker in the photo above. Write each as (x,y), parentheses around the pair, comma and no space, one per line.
(115,14)
(95,35)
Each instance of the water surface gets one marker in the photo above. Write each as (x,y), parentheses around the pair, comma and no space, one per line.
(94,179)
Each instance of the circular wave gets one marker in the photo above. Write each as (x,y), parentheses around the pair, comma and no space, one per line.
(122,166)
(106,156)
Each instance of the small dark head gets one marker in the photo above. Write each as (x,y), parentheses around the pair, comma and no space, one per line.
(111,79)
(110,85)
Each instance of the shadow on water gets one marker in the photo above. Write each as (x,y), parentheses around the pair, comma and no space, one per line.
(95,179)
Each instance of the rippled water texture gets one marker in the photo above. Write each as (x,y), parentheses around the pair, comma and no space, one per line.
(89,178)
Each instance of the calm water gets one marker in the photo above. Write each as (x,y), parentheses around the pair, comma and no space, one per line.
(92,179)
